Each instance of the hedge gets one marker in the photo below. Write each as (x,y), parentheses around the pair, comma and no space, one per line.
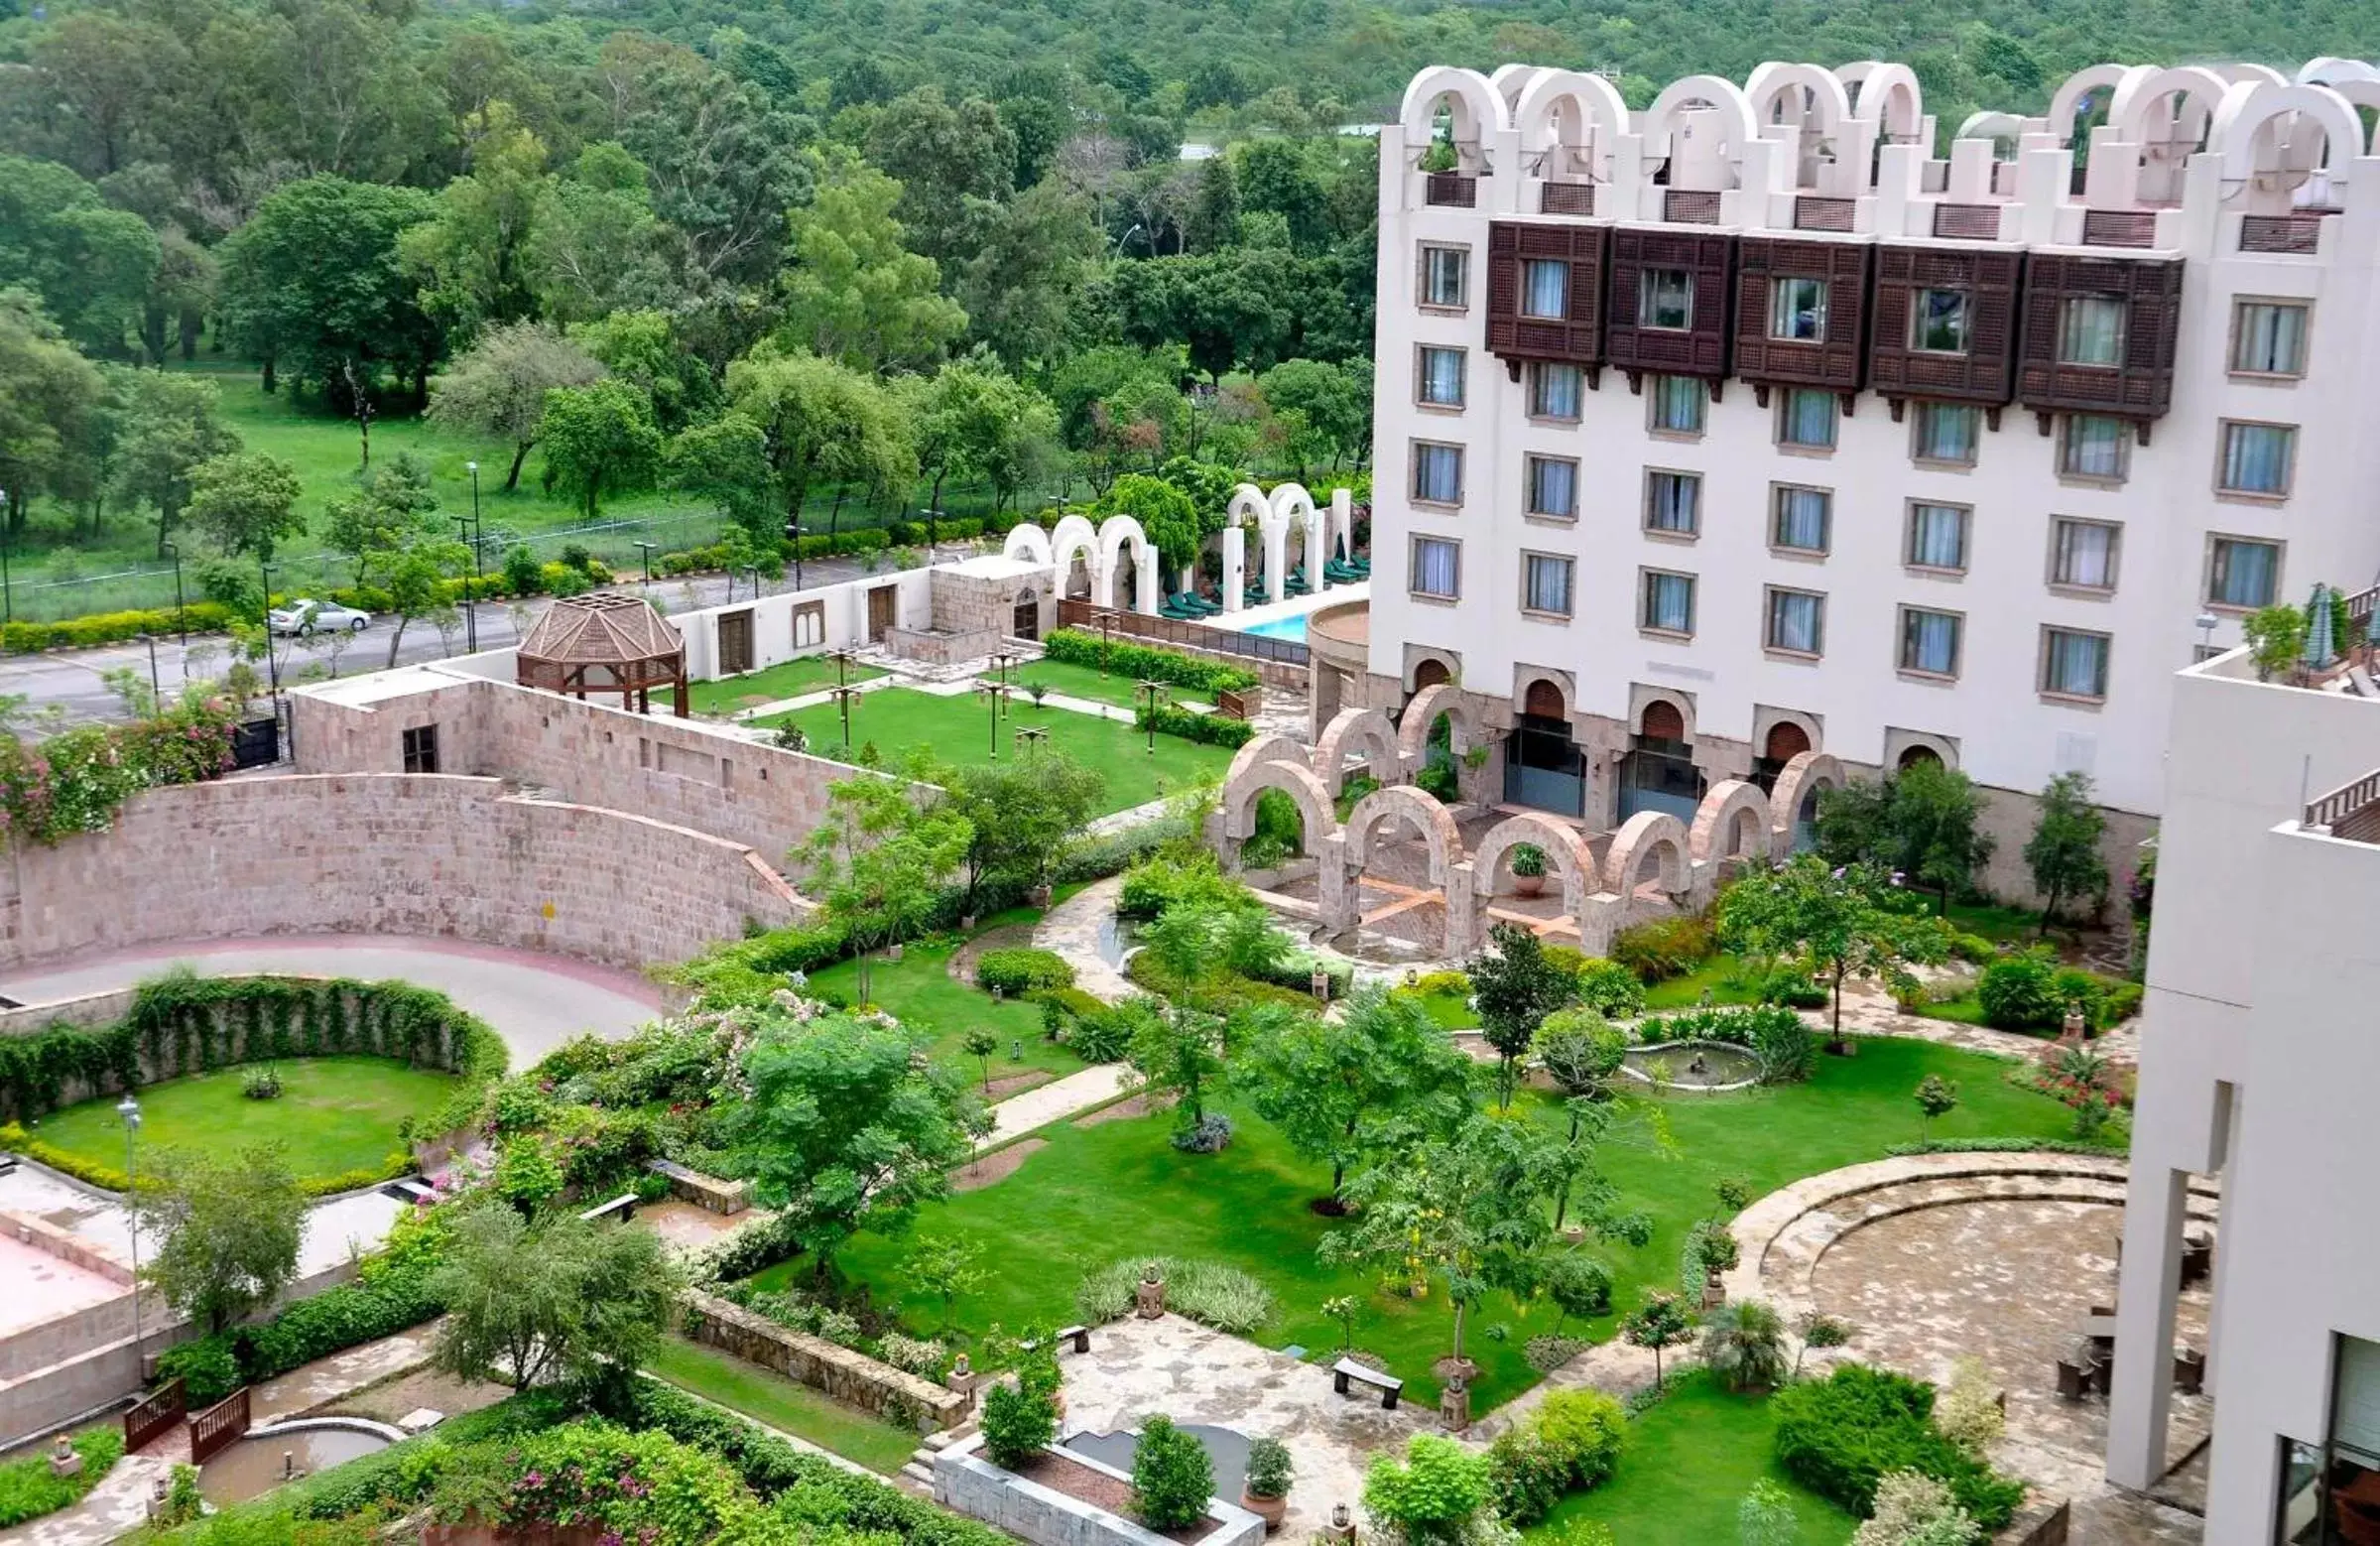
(1209,676)
(19,638)
(1211,729)
(1838,1437)
(1021,970)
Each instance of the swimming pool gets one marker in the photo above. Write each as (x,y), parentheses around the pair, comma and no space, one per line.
(1278,628)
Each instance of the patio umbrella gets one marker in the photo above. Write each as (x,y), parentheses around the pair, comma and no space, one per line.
(2322,646)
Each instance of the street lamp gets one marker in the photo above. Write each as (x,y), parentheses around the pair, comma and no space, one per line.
(1153,689)
(994,695)
(1030,735)
(843,697)
(465,532)
(157,693)
(646,548)
(272,661)
(130,1111)
(181,623)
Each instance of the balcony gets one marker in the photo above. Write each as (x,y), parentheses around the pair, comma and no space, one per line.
(2351,812)
(1452,189)
(1689,206)
(1813,213)
(1967,222)
(2293,233)
(1565,198)
(2119,227)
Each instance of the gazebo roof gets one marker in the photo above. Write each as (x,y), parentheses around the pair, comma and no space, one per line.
(604,628)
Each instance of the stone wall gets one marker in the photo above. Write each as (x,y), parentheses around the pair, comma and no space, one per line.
(966,1482)
(385,854)
(982,596)
(89,1011)
(848,1376)
(936,647)
(709,1193)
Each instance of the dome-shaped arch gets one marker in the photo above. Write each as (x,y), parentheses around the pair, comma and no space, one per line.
(1720,96)
(1404,803)
(1477,105)
(2240,122)
(2140,107)
(1366,730)
(1780,95)
(1647,835)
(1803,776)
(1262,750)
(1074,535)
(1305,791)
(1116,533)
(2357,94)
(2331,71)
(1510,80)
(1294,509)
(1580,114)
(1732,822)
(1565,855)
(2068,100)
(1413,726)
(1991,125)
(1248,503)
(1027,544)
(1886,93)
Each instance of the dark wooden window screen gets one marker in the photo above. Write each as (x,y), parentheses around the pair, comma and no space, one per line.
(2142,385)
(1576,339)
(1985,373)
(1700,351)
(1834,361)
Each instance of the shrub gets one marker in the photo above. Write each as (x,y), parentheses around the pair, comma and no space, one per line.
(1171,1477)
(22,638)
(1744,1344)
(28,1491)
(1912,1509)
(1528,859)
(1525,1477)
(1019,971)
(1578,1285)
(1268,1468)
(1433,1495)
(1841,1435)
(1207,1292)
(1587,1430)
(1974,949)
(1207,677)
(1017,1423)
(1210,729)
(1209,1134)
(1101,1035)
(1608,987)
(1787,1048)
(1670,947)
(1968,1412)
(2021,993)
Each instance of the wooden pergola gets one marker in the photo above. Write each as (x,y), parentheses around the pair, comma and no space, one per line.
(604,642)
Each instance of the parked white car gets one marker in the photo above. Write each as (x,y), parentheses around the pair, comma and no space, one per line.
(304,616)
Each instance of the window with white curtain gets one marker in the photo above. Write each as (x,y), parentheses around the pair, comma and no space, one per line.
(1800,519)
(2083,553)
(2268,339)
(1669,602)
(1554,390)
(2256,458)
(1938,536)
(1947,432)
(2072,664)
(1554,487)
(2243,572)
(1938,321)
(1442,378)
(2093,446)
(1446,277)
(1546,583)
(1665,299)
(1805,419)
(1798,310)
(1677,403)
(1797,622)
(1436,473)
(2090,331)
(1436,568)
(1930,642)
(1546,289)
(1673,503)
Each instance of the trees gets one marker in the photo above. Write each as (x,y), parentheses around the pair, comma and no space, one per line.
(314,284)
(971,419)
(222,1230)
(1177,1053)
(498,386)
(1660,1321)
(1580,1052)
(244,502)
(414,572)
(51,409)
(594,245)
(1516,987)
(1173,1479)
(1021,815)
(393,504)
(599,437)
(855,292)
(90,265)
(470,256)
(1031,264)
(1338,1087)
(953,162)
(878,859)
(1744,1346)
(1919,822)
(166,426)
(1167,516)
(1847,923)
(819,420)
(945,1266)
(1935,1096)
(848,1129)
(555,1298)
(1326,409)
(2062,853)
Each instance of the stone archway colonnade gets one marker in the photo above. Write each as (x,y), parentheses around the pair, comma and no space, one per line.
(1288,508)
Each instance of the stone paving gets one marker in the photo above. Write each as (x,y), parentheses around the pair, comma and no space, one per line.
(1081,930)
(1056,1101)
(335,1229)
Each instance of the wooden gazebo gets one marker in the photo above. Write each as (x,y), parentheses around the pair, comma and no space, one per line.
(604,642)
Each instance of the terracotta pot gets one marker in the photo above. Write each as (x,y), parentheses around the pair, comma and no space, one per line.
(1270,1509)
(1527,885)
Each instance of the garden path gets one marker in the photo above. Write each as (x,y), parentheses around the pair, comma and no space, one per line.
(1869,1010)
(1056,1101)
(1080,929)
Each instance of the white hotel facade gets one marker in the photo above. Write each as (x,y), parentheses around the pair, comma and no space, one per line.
(1744,425)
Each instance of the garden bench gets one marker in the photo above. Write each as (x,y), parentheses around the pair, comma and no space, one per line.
(1346,1369)
(619,1209)
(1078,1337)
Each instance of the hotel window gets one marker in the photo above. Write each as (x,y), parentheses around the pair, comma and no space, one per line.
(2090,331)
(2083,553)
(1665,299)
(2268,339)
(1945,432)
(1800,519)
(1546,583)
(1673,503)
(1805,419)
(2242,573)
(1677,404)
(1446,277)
(1937,538)
(1436,473)
(1442,378)
(1796,622)
(1669,603)
(1436,568)
(1555,389)
(1930,642)
(1938,321)
(2073,664)
(1798,310)
(2256,459)
(420,746)
(1546,289)
(2093,446)
(1554,487)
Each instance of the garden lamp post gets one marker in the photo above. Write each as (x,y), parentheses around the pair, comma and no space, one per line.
(842,666)
(465,530)
(272,661)
(130,1110)
(1030,735)
(843,697)
(8,604)
(993,695)
(646,548)
(181,623)
(1153,689)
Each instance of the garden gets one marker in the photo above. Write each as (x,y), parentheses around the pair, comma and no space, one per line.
(772,684)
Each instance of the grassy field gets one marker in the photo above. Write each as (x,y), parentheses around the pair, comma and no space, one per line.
(790,679)
(333,1115)
(1090,682)
(1720,977)
(958,731)
(919,992)
(771,1398)
(1690,1461)
(1118,1190)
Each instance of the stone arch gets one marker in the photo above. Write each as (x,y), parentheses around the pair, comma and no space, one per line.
(1914,754)
(2358,93)
(1294,507)
(1801,778)
(1115,533)
(1076,537)
(1510,80)
(1358,730)
(2238,70)
(1404,803)
(1579,114)
(2068,99)
(1564,855)
(1797,89)
(1477,105)
(1787,740)
(1647,835)
(1888,93)
(1991,125)
(1543,695)
(1028,544)
(1261,750)
(1732,822)
(1413,728)
(1720,96)
(2140,108)
(1902,747)
(2239,131)
(2331,71)
(1299,783)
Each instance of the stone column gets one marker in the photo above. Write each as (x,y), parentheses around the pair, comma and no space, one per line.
(1235,567)
(1339,892)
(1144,581)
(1342,524)
(1461,911)
(2142,1394)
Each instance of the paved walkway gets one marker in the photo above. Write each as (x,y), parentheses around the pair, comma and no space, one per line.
(1056,1101)
(1081,930)
(535,1001)
(335,1229)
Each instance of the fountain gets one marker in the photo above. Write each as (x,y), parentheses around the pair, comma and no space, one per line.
(1708,1067)
(285,1452)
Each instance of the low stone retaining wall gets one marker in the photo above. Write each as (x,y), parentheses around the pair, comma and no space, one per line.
(966,1482)
(848,1376)
(84,1013)
(2042,1522)
(709,1193)
(66,1245)
(936,647)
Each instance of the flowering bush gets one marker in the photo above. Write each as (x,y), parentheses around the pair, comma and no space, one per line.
(633,1487)
(75,781)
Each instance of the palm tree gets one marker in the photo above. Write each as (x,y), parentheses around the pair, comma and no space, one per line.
(1744,1344)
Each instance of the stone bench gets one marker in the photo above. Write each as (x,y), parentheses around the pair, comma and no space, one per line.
(708,1193)
(619,1209)
(1347,1371)
(1077,1338)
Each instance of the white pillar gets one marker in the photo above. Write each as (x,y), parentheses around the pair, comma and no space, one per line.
(1144,578)
(1342,524)
(2142,1393)
(1276,557)
(1235,567)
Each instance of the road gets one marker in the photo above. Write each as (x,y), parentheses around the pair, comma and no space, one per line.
(73,679)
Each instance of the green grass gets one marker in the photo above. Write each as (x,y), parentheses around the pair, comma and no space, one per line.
(1690,1461)
(1720,977)
(333,1115)
(958,731)
(1454,1012)
(1090,682)
(789,679)
(28,1491)
(1120,1190)
(920,992)
(771,1398)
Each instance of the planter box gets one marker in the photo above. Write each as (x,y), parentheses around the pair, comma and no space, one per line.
(968,1483)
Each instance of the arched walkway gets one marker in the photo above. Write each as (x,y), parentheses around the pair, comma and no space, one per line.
(1261,750)
(1732,822)
(1647,835)
(1294,779)
(1413,729)
(1565,856)
(1799,783)
(1408,805)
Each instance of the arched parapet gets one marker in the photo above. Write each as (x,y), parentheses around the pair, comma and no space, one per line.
(1478,107)
(1886,93)
(1797,96)
(1412,731)
(1406,804)
(1115,534)
(1262,750)
(1801,778)
(1074,536)
(1305,791)
(2068,100)
(1580,115)
(1649,835)
(1365,730)
(2239,127)
(2143,110)
(2331,71)
(1715,92)
(1565,856)
(1991,125)
(1027,544)
(1732,822)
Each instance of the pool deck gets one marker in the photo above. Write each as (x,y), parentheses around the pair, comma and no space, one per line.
(1257,619)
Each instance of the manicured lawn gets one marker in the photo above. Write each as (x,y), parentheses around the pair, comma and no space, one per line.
(1689,1462)
(919,992)
(333,1115)
(797,1409)
(1720,976)
(1120,689)
(789,679)
(1451,1010)
(958,731)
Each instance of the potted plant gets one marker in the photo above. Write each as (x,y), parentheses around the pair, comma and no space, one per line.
(1265,1493)
(1527,870)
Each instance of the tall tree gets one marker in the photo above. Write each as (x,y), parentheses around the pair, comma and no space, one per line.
(166,426)
(391,509)
(314,284)
(595,246)
(853,290)
(498,386)
(1516,987)
(557,1299)
(823,421)
(92,266)
(2063,851)
(1934,811)
(1028,273)
(1344,1090)
(878,859)
(471,256)
(244,502)
(955,162)
(222,1230)
(1847,922)
(1021,815)
(598,438)
(50,408)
